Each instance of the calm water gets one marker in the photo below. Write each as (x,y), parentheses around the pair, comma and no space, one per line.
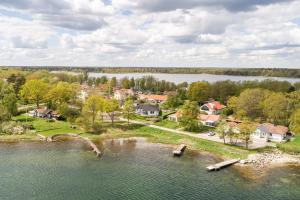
(179,78)
(65,170)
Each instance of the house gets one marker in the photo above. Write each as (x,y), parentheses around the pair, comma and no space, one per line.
(209,120)
(148,110)
(174,117)
(123,94)
(45,113)
(212,107)
(153,98)
(206,120)
(270,132)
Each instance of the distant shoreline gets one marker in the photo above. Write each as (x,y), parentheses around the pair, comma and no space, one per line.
(266,72)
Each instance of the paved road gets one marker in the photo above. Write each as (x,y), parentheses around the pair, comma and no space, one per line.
(205,136)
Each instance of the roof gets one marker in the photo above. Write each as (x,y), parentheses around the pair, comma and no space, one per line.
(125,91)
(271,128)
(154,97)
(212,118)
(148,107)
(214,105)
(43,110)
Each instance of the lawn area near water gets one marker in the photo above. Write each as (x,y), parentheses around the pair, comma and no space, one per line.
(46,127)
(122,130)
(292,146)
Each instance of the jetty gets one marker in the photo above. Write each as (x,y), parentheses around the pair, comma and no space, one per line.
(179,150)
(223,164)
(85,139)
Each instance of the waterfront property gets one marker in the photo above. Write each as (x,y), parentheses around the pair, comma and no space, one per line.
(148,110)
(271,132)
(45,113)
(212,107)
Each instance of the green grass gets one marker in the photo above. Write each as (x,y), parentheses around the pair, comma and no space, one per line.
(292,146)
(164,137)
(121,130)
(168,124)
(44,127)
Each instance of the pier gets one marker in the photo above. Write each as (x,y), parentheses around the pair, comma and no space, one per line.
(220,165)
(85,139)
(179,150)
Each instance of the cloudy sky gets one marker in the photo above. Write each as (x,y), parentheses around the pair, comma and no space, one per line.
(203,33)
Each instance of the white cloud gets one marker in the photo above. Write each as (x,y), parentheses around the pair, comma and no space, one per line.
(150,33)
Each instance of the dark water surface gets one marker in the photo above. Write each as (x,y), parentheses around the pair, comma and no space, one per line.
(129,170)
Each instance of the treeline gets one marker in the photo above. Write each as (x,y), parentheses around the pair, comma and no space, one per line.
(269,72)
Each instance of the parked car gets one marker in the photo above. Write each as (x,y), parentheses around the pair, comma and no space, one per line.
(210,133)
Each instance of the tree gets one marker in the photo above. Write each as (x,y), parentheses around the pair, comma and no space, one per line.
(250,103)
(246,128)
(125,83)
(34,90)
(198,91)
(275,108)
(63,92)
(222,90)
(295,121)
(222,129)
(8,101)
(17,81)
(173,102)
(111,106)
(189,115)
(128,108)
(92,106)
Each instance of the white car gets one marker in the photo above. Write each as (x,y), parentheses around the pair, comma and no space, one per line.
(210,133)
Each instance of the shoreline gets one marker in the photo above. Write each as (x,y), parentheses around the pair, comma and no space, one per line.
(256,162)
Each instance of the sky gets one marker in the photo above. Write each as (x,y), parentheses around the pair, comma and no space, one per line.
(150,33)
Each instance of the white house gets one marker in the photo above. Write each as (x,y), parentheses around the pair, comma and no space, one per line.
(270,132)
(212,107)
(148,110)
(123,94)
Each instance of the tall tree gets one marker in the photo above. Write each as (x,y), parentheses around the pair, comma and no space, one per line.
(34,90)
(111,107)
(295,122)
(250,103)
(93,106)
(246,128)
(189,115)
(198,91)
(275,108)
(128,109)
(61,93)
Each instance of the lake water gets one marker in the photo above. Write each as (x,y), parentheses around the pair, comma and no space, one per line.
(179,78)
(129,170)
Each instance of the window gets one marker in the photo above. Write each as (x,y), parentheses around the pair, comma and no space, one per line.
(152,112)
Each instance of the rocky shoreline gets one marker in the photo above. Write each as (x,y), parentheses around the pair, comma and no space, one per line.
(270,159)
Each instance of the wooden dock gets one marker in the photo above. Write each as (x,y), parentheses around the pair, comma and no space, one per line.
(220,165)
(85,139)
(179,150)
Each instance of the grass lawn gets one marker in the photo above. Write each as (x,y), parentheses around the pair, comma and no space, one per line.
(292,146)
(121,130)
(168,124)
(164,137)
(44,127)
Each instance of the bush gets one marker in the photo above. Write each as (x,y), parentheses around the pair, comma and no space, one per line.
(13,128)
(97,128)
